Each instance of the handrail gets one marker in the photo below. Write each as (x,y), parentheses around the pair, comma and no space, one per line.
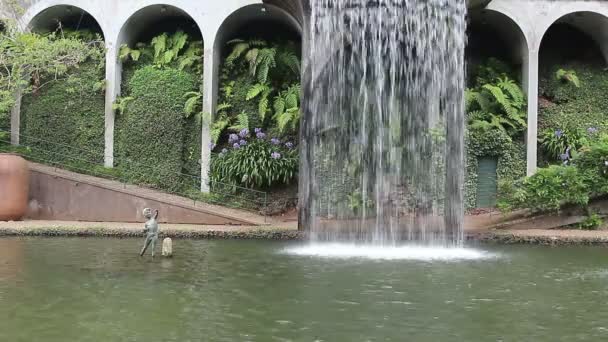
(255,197)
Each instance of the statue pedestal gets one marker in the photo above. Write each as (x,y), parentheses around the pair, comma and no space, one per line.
(167,248)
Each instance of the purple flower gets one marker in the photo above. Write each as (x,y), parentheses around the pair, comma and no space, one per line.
(559,133)
(289,145)
(224,151)
(242,142)
(211,145)
(236,146)
(275,141)
(257,130)
(261,135)
(232,138)
(275,155)
(243,133)
(592,130)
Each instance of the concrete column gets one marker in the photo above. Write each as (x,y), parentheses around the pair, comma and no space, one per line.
(530,84)
(16,120)
(113,74)
(209,88)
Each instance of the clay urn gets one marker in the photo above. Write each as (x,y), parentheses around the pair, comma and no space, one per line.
(14,187)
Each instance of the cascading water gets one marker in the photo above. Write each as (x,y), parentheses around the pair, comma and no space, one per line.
(383,123)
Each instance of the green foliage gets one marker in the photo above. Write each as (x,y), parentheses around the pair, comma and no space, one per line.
(568,76)
(592,222)
(499,104)
(31,61)
(176,50)
(120,105)
(260,77)
(151,131)
(555,186)
(65,120)
(555,143)
(568,106)
(548,190)
(287,108)
(493,143)
(356,203)
(254,166)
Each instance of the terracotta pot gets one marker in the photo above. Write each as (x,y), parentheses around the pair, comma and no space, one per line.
(14,187)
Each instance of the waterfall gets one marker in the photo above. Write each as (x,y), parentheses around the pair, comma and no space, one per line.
(383,121)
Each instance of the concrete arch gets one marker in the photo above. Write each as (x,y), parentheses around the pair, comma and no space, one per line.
(509,29)
(592,23)
(253,12)
(142,16)
(34,12)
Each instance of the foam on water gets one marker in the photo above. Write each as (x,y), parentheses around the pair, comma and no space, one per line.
(378,252)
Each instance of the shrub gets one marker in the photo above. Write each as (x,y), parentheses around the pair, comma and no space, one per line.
(592,222)
(64,120)
(555,142)
(151,129)
(547,190)
(257,163)
(593,161)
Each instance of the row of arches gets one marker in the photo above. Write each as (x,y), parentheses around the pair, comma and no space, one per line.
(497,30)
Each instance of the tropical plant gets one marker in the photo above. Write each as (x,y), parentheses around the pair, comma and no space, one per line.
(568,76)
(269,64)
(555,142)
(167,50)
(255,162)
(287,108)
(500,104)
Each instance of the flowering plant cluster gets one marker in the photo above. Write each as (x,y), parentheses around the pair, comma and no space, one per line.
(251,159)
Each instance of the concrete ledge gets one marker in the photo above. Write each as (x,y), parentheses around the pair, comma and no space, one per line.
(543,237)
(214,233)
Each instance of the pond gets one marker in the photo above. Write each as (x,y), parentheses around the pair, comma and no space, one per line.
(69,289)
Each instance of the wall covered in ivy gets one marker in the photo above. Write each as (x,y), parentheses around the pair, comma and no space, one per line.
(152,135)
(64,120)
(511,158)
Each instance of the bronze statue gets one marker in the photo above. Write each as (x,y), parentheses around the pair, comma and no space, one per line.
(151,230)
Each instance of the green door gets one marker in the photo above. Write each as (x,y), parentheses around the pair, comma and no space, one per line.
(486,182)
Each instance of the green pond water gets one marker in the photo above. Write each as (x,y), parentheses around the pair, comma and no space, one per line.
(100,290)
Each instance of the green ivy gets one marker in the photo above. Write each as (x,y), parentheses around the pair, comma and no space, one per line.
(567,106)
(152,130)
(64,120)
(493,143)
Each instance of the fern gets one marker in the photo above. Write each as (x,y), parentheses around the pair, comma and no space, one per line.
(242,122)
(159,43)
(568,76)
(218,128)
(499,104)
(193,102)
(256,90)
(120,105)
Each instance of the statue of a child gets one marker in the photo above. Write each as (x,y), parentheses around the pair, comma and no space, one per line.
(151,230)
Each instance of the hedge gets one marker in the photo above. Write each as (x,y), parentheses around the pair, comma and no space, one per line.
(64,120)
(151,132)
